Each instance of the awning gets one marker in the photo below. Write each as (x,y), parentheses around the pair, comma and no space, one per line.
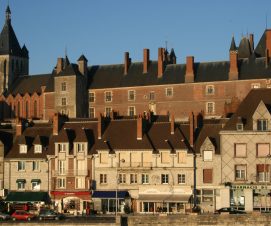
(183,198)
(110,194)
(36,180)
(20,181)
(25,197)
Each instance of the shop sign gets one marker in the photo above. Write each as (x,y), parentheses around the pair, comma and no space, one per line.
(248,186)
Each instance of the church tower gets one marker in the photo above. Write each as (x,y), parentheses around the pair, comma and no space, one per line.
(14,60)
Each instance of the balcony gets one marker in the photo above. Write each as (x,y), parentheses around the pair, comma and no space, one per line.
(69,173)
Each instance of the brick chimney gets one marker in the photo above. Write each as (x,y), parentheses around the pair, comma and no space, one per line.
(160,62)
(191,129)
(146,60)
(172,124)
(127,62)
(233,73)
(83,65)
(189,74)
(59,66)
(251,41)
(139,128)
(19,127)
(99,127)
(56,124)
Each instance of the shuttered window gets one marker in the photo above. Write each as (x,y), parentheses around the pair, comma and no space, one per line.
(207,175)
(182,157)
(165,157)
(240,150)
(262,150)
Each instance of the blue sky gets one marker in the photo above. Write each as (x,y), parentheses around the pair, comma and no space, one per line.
(104,29)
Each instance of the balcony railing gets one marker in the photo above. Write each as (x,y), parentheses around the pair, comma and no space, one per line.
(70,173)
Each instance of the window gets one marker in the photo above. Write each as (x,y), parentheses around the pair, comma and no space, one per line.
(62,147)
(133,178)
(151,96)
(145,178)
(165,157)
(37,148)
(131,95)
(122,178)
(240,150)
(103,178)
(61,167)
(164,178)
(80,183)
(108,111)
(210,107)
(91,97)
(263,150)
(63,86)
(181,178)
(63,101)
(207,155)
(131,111)
(207,175)
(20,184)
(169,92)
(210,89)
(240,172)
(35,165)
(263,173)
(80,147)
(262,124)
(108,96)
(61,182)
(91,112)
(35,184)
(23,148)
(239,126)
(21,166)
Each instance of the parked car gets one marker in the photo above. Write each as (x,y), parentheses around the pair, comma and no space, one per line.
(229,210)
(4,216)
(50,214)
(22,215)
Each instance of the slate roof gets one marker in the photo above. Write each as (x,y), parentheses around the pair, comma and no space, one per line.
(247,108)
(261,47)
(244,49)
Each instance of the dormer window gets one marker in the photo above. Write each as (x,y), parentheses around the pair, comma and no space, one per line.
(239,126)
(23,148)
(262,124)
(37,148)
(80,147)
(62,147)
(207,155)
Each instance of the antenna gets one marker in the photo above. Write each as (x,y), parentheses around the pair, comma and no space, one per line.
(265,21)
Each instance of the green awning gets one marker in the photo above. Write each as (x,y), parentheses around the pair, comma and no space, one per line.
(20,180)
(25,197)
(36,180)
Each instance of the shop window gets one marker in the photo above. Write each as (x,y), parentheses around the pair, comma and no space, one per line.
(103,178)
(262,124)
(207,175)
(122,178)
(207,195)
(23,148)
(263,173)
(240,150)
(164,178)
(263,150)
(240,172)
(131,95)
(35,165)
(207,155)
(133,178)
(181,178)
(145,178)
(37,148)
(21,166)
(91,97)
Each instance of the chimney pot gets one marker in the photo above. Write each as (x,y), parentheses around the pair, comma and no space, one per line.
(189,74)
(146,60)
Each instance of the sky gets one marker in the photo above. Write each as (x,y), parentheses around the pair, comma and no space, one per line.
(103,30)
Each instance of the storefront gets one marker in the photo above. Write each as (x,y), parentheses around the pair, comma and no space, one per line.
(105,201)
(77,202)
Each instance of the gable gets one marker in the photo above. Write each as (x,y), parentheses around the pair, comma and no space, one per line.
(261,112)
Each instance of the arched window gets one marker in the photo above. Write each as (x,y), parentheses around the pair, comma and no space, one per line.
(35,109)
(26,109)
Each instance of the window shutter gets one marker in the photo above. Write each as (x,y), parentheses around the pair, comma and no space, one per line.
(207,175)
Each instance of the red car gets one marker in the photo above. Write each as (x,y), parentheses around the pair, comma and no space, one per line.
(22,215)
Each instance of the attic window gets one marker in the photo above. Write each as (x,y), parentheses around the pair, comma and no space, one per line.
(262,125)
(38,148)
(23,148)
(207,155)
(239,127)
(80,147)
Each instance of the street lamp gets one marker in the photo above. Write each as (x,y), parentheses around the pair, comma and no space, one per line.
(190,147)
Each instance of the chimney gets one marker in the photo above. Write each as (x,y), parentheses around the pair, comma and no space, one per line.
(127,62)
(56,124)
(251,41)
(191,129)
(146,60)
(19,127)
(160,62)
(83,65)
(233,74)
(99,127)
(59,66)
(139,128)
(268,40)
(189,74)
(172,124)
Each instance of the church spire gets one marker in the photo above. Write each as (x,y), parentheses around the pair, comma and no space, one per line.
(8,14)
